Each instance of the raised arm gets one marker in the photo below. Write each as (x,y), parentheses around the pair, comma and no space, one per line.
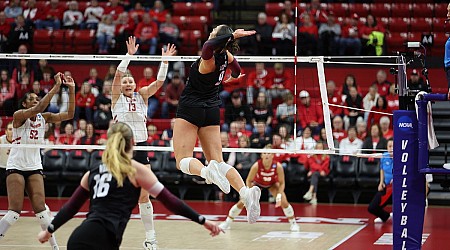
(122,69)
(70,83)
(151,89)
(21,115)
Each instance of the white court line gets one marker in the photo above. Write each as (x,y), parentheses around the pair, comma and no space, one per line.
(65,247)
(348,236)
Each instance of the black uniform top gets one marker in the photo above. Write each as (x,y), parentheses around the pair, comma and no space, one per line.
(109,204)
(202,90)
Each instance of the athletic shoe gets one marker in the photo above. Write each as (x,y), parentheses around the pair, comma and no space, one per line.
(307,196)
(379,220)
(295,227)
(225,225)
(251,203)
(213,175)
(313,201)
(150,244)
(55,247)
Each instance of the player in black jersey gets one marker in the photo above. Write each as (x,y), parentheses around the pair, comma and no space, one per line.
(113,189)
(198,114)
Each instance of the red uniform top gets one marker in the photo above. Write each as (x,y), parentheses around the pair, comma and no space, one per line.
(316,163)
(85,101)
(265,178)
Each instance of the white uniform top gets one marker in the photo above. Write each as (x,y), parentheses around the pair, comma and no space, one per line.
(4,152)
(31,132)
(132,111)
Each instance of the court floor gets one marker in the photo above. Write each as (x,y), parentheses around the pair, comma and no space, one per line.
(323,226)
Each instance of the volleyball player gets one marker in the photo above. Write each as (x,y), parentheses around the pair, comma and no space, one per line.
(113,189)
(24,167)
(266,173)
(131,107)
(198,115)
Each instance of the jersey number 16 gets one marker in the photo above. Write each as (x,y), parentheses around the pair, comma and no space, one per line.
(101,187)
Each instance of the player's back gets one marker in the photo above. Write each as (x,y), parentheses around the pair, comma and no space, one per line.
(110,204)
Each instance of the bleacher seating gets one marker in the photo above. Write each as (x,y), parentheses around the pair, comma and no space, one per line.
(53,163)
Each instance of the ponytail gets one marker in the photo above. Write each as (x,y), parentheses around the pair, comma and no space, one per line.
(116,156)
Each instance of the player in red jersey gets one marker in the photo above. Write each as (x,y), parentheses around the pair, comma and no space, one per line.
(266,173)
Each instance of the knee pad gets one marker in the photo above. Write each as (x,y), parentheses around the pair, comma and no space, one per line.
(184,165)
(11,217)
(224,168)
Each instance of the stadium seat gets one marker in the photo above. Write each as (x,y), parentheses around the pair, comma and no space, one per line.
(171,174)
(439,42)
(339,9)
(191,42)
(157,160)
(274,9)
(440,10)
(439,24)
(380,10)
(272,20)
(53,163)
(344,177)
(422,10)
(414,36)
(82,6)
(295,173)
(59,41)
(420,25)
(202,9)
(368,176)
(77,164)
(96,158)
(182,9)
(361,9)
(401,10)
(42,41)
(197,23)
(398,24)
(83,41)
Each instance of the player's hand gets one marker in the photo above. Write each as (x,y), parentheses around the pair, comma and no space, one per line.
(232,78)
(43,236)
(381,187)
(241,33)
(132,47)
(170,50)
(213,228)
(68,81)
(58,78)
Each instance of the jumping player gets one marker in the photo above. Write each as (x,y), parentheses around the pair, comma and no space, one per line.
(24,167)
(266,173)
(113,188)
(131,107)
(198,115)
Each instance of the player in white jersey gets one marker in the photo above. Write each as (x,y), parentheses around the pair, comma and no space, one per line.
(4,153)
(130,107)
(24,167)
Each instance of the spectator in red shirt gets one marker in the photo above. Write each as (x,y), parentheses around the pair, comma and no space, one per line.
(307,36)
(153,101)
(370,26)
(114,9)
(94,81)
(319,167)
(158,12)
(381,106)
(282,82)
(146,33)
(339,132)
(385,123)
(85,101)
(124,29)
(258,80)
(52,17)
(7,92)
(47,82)
(152,132)
(137,13)
(173,93)
(392,98)
(24,86)
(334,97)
(68,137)
(382,83)
(315,10)
(350,43)
(310,114)
(229,85)
(234,134)
(31,13)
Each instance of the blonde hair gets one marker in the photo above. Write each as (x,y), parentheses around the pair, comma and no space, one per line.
(115,157)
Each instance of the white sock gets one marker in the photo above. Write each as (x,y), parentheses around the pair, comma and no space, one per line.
(203,172)
(7,221)
(224,168)
(45,220)
(289,212)
(234,211)
(243,192)
(146,211)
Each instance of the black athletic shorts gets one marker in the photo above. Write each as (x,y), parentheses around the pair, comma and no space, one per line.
(200,117)
(141,155)
(92,235)
(25,174)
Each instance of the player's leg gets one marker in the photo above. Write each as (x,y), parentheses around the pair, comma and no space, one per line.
(375,207)
(287,208)
(15,184)
(235,210)
(36,193)
(212,148)
(145,206)
(91,235)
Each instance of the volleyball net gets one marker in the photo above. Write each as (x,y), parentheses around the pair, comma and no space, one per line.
(301,95)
